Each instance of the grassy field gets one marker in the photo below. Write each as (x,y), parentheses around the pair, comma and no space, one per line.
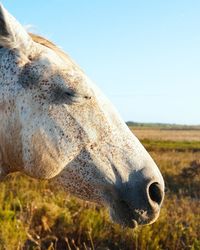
(33,215)
(167,135)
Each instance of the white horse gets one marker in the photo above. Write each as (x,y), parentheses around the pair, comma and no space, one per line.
(56,124)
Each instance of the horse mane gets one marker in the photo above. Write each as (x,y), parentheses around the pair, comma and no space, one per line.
(45,42)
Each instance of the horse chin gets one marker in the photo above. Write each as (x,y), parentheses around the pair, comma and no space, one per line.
(132,218)
(123,221)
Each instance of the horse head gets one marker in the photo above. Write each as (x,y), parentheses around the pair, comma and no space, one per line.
(56,124)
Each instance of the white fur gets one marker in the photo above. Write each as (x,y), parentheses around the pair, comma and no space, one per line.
(80,141)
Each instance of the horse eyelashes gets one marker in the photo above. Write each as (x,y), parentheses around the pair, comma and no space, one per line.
(64,96)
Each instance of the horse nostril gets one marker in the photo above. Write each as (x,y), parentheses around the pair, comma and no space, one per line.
(156,193)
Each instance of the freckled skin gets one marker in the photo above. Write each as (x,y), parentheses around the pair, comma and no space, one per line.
(57,125)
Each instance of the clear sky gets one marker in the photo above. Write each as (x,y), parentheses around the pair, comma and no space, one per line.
(144,55)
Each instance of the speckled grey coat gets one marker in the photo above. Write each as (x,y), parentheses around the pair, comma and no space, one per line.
(56,124)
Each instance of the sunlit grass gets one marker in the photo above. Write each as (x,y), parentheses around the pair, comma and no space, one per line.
(37,215)
(162,145)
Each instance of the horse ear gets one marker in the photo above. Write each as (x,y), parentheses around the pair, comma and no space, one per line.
(12,33)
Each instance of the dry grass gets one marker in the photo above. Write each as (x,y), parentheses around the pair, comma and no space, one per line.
(167,135)
(33,215)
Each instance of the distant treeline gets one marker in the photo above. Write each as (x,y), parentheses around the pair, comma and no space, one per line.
(164,126)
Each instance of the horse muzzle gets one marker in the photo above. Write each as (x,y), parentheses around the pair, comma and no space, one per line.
(137,205)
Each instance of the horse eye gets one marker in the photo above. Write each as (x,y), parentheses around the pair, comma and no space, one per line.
(76,97)
(61,95)
(69,94)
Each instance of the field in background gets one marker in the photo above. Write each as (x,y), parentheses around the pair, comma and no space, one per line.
(38,215)
(167,135)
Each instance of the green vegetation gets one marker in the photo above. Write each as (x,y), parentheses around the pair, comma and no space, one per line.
(37,215)
(179,146)
(167,126)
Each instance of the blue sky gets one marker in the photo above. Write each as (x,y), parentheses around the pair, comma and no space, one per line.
(144,55)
